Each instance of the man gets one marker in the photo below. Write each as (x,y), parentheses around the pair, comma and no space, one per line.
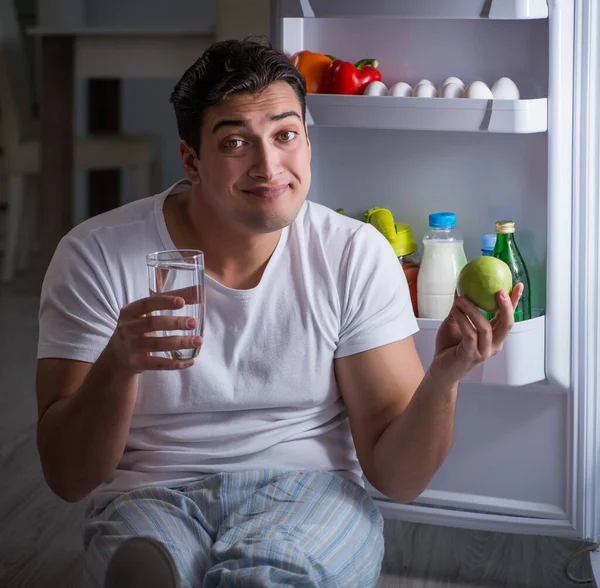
(242,467)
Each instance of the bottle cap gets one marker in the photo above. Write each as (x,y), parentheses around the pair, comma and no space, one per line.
(505,227)
(399,235)
(404,243)
(442,220)
(488,242)
(383,220)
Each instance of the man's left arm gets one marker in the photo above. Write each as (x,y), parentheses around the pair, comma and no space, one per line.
(402,420)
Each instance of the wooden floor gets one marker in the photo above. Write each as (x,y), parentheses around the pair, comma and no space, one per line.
(40,536)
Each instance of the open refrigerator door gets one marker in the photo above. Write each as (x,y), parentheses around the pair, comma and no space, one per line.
(521,461)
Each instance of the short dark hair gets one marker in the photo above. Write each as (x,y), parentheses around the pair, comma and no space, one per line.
(227,68)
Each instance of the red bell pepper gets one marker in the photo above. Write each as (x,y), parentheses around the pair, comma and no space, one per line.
(346,78)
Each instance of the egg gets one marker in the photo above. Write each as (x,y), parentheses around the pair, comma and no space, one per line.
(424,82)
(453,91)
(447,81)
(376,89)
(401,89)
(479,90)
(453,80)
(506,89)
(424,89)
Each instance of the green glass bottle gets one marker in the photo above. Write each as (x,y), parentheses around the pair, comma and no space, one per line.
(506,249)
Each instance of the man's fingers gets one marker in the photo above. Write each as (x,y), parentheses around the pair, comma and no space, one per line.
(467,330)
(151,362)
(505,318)
(516,294)
(190,294)
(152,304)
(174,343)
(153,323)
(481,325)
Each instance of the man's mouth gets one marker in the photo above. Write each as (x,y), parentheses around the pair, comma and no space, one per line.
(268,192)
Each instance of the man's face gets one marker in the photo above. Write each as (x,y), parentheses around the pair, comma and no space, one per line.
(254,163)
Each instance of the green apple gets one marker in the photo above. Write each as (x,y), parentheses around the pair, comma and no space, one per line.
(481,279)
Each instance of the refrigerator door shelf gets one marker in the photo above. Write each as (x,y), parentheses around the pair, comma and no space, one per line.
(521,361)
(477,503)
(484,521)
(428,114)
(437,9)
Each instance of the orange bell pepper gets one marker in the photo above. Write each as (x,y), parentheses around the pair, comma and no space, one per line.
(314,67)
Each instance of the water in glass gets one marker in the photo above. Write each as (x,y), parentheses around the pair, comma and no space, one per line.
(179,273)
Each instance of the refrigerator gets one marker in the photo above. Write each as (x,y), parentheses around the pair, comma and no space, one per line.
(525,453)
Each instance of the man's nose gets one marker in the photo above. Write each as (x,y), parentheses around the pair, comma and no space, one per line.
(267,162)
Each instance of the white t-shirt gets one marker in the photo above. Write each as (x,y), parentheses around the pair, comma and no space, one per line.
(262,393)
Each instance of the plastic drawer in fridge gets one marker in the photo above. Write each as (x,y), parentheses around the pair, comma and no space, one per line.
(521,361)
(428,114)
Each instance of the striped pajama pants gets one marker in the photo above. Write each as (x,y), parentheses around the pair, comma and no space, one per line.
(250,529)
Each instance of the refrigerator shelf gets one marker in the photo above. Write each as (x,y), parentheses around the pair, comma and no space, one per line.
(434,9)
(428,114)
(521,361)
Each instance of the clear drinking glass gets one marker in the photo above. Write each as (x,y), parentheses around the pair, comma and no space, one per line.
(179,272)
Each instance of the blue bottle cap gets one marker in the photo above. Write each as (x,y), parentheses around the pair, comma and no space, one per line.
(488,242)
(442,220)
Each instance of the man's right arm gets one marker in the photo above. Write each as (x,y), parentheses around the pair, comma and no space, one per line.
(84,414)
(85,410)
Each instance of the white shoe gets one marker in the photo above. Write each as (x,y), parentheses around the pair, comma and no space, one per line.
(141,562)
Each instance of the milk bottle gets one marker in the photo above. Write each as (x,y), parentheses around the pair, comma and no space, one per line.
(443,259)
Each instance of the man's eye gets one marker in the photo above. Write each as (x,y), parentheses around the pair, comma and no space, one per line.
(288,136)
(233,144)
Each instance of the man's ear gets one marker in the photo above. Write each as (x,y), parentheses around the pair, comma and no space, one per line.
(189,159)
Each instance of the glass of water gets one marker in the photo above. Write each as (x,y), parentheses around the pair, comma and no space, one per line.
(179,272)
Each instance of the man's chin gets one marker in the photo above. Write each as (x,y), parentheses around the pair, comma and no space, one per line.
(272,221)
(272,225)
